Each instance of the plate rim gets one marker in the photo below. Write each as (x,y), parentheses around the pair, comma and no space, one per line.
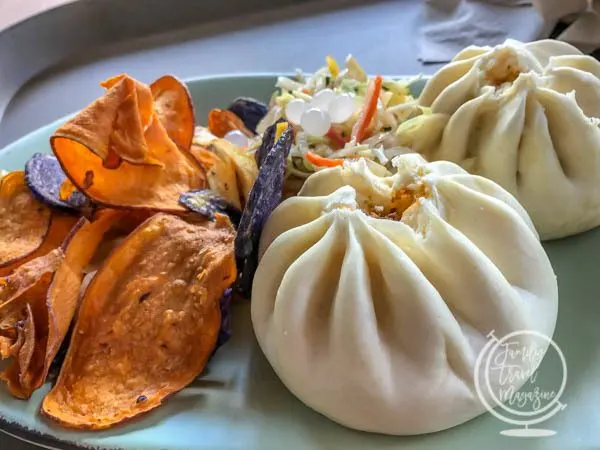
(38,438)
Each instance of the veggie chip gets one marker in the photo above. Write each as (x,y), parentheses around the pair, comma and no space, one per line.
(222,121)
(24,323)
(230,170)
(147,324)
(28,228)
(225,330)
(126,149)
(266,194)
(39,299)
(173,106)
(250,110)
(45,177)
(207,203)
(268,140)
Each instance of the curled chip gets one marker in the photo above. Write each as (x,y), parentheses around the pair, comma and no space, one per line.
(174,108)
(250,110)
(118,152)
(45,177)
(147,323)
(40,298)
(208,204)
(231,171)
(220,173)
(265,196)
(222,121)
(24,322)
(28,228)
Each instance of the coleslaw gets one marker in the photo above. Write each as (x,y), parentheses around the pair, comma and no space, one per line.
(365,127)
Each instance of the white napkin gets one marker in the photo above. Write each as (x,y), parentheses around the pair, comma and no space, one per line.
(554,10)
(584,32)
(451,25)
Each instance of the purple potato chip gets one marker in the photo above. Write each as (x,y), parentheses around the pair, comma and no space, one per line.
(250,110)
(207,203)
(225,330)
(264,197)
(44,177)
(267,143)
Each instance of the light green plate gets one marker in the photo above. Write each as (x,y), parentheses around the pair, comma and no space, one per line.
(240,404)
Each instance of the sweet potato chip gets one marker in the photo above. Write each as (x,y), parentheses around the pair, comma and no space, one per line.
(80,249)
(28,228)
(24,221)
(225,157)
(117,152)
(147,324)
(174,108)
(222,121)
(38,302)
(103,234)
(24,322)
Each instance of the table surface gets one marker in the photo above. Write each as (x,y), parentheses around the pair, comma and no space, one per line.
(380,35)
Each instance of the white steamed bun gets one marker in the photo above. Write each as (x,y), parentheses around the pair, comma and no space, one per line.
(525,116)
(377,323)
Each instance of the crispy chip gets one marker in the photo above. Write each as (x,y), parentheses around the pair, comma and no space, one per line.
(222,121)
(173,106)
(220,174)
(24,221)
(38,302)
(225,157)
(60,227)
(208,204)
(265,196)
(80,250)
(28,229)
(267,142)
(23,311)
(250,110)
(50,185)
(117,152)
(147,324)
(98,238)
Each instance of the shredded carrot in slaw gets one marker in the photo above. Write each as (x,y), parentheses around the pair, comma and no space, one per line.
(320,161)
(361,127)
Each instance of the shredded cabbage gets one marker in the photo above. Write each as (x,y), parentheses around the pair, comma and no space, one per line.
(395,106)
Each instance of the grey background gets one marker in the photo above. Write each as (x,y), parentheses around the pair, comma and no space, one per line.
(51,64)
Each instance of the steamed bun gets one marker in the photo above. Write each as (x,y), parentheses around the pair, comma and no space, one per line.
(525,116)
(374,295)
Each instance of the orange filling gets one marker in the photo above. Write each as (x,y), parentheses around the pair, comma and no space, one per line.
(401,200)
(505,68)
